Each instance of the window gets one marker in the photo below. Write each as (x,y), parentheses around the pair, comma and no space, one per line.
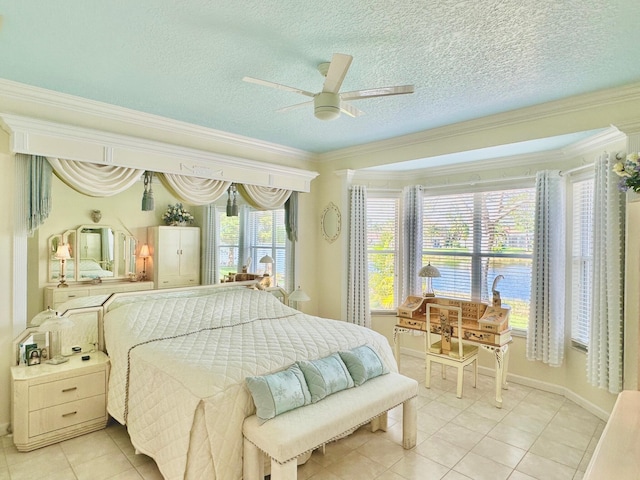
(382,250)
(265,235)
(474,237)
(581,260)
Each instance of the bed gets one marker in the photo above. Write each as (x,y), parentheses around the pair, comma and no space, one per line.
(179,360)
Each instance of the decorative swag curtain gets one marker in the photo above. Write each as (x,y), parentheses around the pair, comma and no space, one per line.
(358,277)
(264,198)
(94,179)
(545,336)
(605,352)
(411,240)
(194,190)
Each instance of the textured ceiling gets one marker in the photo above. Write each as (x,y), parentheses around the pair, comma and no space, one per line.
(185,59)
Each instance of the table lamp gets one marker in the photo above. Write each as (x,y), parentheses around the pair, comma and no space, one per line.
(144,254)
(298,295)
(51,321)
(429,272)
(267,260)
(62,254)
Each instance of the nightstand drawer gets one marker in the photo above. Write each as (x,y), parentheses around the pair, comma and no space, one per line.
(66,390)
(66,415)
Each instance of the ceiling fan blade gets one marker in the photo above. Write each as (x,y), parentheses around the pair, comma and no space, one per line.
(277,86)
(377,92)
(293,107)
(350,109)
(337,71)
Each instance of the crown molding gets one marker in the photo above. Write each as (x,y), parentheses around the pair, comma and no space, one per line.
(10,90)
(542,111)
(51,139)
(527,161)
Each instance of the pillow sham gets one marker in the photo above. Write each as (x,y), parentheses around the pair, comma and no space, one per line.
(278,392)
(363,364)
(325,376)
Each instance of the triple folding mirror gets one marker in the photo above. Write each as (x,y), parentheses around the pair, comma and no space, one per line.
(97,251)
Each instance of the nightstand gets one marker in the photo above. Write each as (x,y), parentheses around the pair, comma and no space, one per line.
(51,403)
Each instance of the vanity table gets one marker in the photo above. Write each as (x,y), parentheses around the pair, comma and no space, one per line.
(54,296)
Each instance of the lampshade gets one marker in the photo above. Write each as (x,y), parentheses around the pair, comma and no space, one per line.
(429,271)
(299,295)
(144,251)
(266,259)
(62,252)
(51,321)
(43,316)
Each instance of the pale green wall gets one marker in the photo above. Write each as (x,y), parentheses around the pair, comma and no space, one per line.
(571,376)
(322,266)
(71,209)
(7,331)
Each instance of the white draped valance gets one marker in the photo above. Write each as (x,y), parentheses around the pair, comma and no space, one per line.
(99,180)
(264,198)
(94,179)
(194,190)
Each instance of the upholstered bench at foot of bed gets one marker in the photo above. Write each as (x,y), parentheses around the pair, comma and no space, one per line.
(296,432)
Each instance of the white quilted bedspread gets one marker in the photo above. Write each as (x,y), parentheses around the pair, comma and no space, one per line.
(186,397)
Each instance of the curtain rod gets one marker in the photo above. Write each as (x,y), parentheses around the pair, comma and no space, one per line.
(576,169)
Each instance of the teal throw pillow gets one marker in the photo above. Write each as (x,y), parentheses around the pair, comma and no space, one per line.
(279,392)
(325,376)
(363,364)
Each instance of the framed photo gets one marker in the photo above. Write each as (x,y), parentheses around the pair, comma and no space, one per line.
(33,354)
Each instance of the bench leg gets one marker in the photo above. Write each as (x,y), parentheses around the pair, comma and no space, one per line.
(284,471)
(252,462)
(409,423)
(379,423)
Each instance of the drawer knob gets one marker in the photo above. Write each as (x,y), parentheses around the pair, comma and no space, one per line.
(69,389)
(69,414)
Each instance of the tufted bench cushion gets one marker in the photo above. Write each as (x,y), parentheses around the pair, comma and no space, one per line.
(299,431)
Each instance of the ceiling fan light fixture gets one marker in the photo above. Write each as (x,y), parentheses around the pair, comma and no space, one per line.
(326,106)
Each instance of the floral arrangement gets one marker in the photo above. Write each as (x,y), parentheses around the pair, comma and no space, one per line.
(176,215)
(629,170)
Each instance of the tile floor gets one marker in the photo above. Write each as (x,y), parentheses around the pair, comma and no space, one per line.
(536,435)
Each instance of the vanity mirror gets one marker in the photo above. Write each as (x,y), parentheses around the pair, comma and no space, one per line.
(97,252)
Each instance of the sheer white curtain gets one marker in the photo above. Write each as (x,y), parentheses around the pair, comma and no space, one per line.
(545,336)
(358,279)
(411,240)
(604,358)
(94,179)
(210,245)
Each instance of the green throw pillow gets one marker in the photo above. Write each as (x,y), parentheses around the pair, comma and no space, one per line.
(363,364)
(279,392)
(325,376)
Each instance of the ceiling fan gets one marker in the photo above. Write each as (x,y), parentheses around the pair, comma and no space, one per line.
(328,103)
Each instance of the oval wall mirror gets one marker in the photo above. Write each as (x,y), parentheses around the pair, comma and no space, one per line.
(330,223)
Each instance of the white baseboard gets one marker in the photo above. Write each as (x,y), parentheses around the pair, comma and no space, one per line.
(533,383)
